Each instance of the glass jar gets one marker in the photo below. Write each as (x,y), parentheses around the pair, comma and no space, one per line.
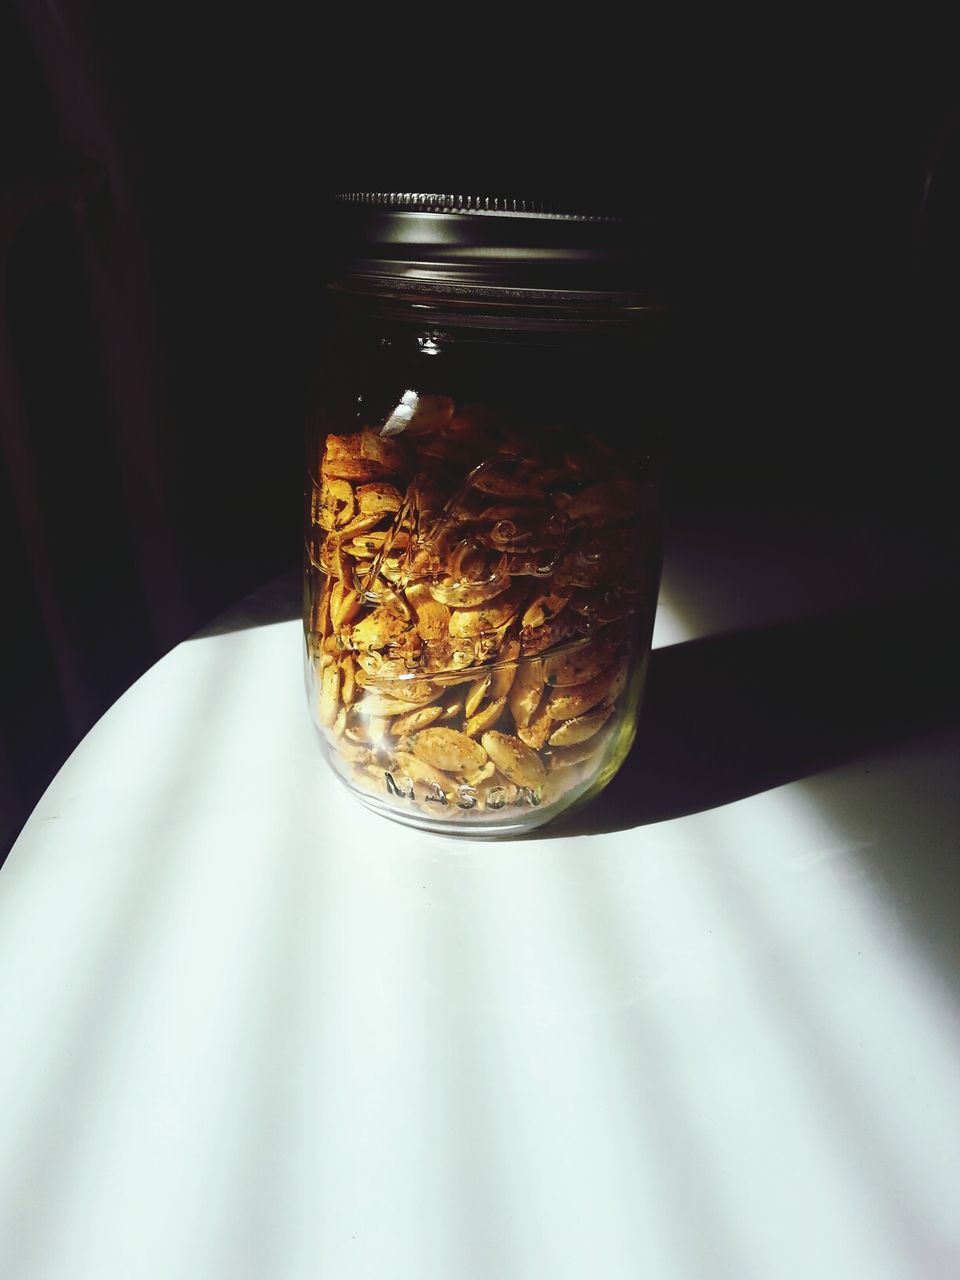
(482,526)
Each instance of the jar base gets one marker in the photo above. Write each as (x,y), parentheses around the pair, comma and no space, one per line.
(512,820)
(490,829)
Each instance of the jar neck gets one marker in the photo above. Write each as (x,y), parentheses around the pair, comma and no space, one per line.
(497,307)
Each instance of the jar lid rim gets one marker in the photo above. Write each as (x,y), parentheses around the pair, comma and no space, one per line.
(446,241)
(476,205)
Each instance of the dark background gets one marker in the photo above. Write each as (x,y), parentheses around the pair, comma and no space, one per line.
(164,230)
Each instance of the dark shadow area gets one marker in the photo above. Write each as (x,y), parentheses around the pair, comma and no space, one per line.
(730,716)
(278,600)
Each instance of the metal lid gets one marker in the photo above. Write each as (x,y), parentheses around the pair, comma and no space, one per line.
(497,246)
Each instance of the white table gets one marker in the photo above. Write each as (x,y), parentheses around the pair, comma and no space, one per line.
(248,1029)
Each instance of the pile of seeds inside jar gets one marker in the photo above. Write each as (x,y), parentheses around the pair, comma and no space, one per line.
(472,620)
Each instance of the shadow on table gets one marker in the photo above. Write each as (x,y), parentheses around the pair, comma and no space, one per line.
(730,716)
(733,715)
(279,600)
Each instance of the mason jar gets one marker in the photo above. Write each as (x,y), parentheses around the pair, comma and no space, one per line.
(482,514)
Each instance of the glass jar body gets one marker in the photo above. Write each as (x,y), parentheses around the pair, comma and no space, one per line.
(482,557)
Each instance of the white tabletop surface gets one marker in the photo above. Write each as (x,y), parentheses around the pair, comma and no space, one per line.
(248,1029)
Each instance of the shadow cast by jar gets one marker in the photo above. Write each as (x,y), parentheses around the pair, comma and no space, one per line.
(733,715)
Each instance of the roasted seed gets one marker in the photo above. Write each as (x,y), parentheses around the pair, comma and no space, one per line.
(364,526)
(365,543)
(460,594)
(423,772)
(525,692)
(554,631)
(571,700)
(371,665)
(332,560)
(578,730)
(484,719)
(406,689)
(377,499)
(336,503)
(378,629)
(564,757)
(378,704)
(487,617)
(577,665)
(514,759)
(475,776)
(536,732)
(543,607)
(348,686)
(344,609)
(363,456)
(395,602)
(451,655)
(619,681)
(319,616)
(411,721)
(329,694)
(504,674)
(432,617)
(448,749)
(476,694)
